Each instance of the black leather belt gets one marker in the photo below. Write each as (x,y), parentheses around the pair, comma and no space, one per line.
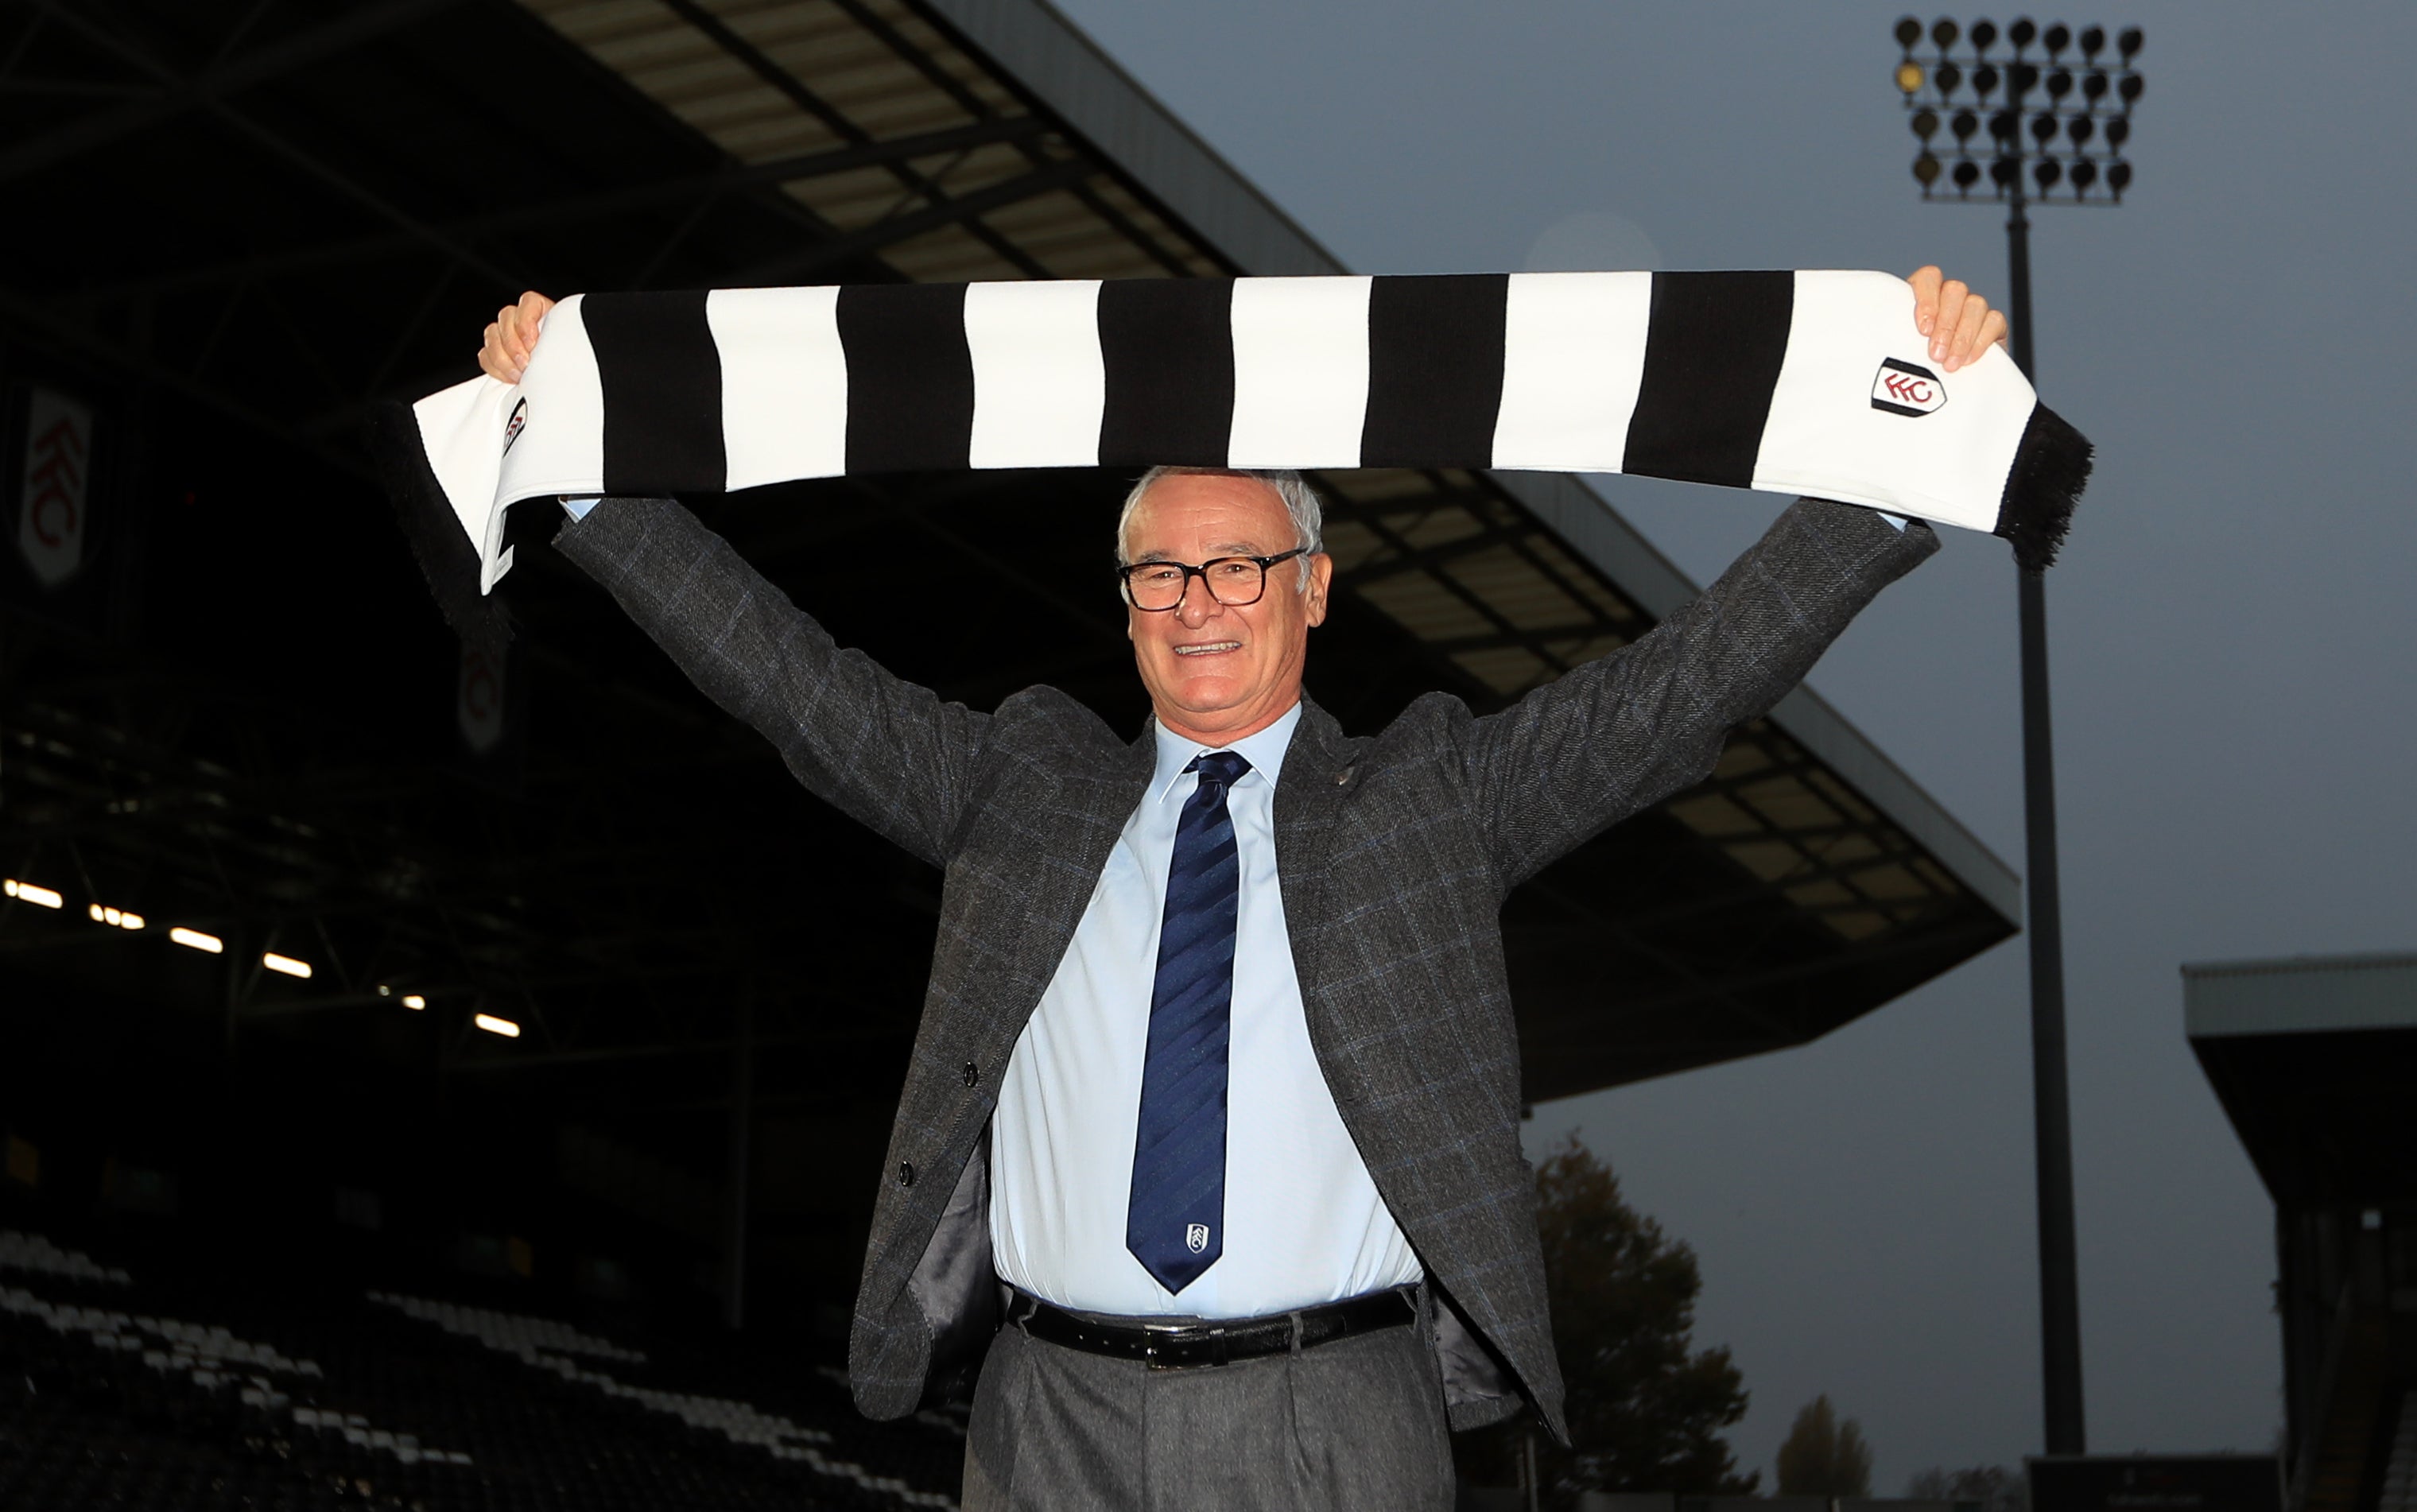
(1175,1346)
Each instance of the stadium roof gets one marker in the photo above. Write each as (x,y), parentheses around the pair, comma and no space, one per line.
(2313,1058)
(257,220)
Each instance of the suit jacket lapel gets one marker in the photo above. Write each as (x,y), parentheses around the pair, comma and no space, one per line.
(1318,772)
(1104,794)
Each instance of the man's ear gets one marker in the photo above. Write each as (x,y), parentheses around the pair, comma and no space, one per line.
(1321,573)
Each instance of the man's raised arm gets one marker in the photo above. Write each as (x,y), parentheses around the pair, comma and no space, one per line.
(1628,730)
(882,749)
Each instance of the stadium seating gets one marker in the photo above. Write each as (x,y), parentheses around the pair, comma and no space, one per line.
(2399,1492)
(120,1391)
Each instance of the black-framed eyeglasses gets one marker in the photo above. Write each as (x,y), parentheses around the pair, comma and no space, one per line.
(1232,580)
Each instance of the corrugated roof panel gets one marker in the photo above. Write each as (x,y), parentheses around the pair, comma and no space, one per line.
(1507,670)
(1427,609)
(951,254)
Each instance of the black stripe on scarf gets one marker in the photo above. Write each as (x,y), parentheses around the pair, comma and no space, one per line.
(1711,360)
(1167,348)
(655,356)
(910,376)
(1434,370)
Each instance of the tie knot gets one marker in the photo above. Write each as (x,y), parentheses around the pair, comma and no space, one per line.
(1223,767)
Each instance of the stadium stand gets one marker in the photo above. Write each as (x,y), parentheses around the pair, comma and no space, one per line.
(2399,1493)
(2312,1058)
(117,1392)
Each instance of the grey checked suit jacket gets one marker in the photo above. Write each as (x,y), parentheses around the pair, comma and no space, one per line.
(1395,851)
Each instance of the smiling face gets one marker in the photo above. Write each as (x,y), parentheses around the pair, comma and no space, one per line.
(1216,673)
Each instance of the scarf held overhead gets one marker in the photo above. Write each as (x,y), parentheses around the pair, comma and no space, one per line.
(1811,383)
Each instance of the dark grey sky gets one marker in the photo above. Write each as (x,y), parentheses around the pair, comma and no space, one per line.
(2231,631)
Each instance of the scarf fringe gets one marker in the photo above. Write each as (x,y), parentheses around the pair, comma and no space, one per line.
(2051,468)
(447,558)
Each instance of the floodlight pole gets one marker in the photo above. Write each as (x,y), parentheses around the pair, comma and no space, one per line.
(2095,127)
(2051,1100)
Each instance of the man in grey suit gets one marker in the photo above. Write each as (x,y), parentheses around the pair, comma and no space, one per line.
(1210,1135)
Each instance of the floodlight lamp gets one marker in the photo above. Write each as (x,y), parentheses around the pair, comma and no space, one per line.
(2093,89)
(1909,77)
(2129,89)
(1964,124)
(1908,31)
(2079,129)
(2059,84)
(1925,171)
(1968,173)
(2003,126)
(97,917)
(2005,171)
(1984,33)
(1943,32)
(2084,173)
(2043,128)
(2047,172)
(2058,38)
(414,1002)
(1949,76)
(2021,31)
(2119,178)
(2025,77)
(2119,131)
(497,1026)
(2091,40)
(285,965)
(2129,42)
(1925,123)
(1984,81)
(196,940)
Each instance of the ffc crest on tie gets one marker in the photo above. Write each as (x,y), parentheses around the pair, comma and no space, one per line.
(1800,382)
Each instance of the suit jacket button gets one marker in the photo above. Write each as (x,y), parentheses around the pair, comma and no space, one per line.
(973,1074)
(906,1172)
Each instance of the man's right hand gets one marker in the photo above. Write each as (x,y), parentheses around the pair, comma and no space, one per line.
(512,337)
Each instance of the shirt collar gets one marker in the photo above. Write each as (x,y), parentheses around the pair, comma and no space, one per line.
(1264,750)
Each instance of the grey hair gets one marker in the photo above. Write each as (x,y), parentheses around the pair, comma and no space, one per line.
(1299,501)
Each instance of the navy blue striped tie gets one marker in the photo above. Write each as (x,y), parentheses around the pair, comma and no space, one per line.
(1175,1224)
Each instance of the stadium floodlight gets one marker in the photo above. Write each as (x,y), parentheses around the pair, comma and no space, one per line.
(196,940)
(2039,128)
(414,1002)
(2061,125)
(497,1026)
(285,964)
(28,893)
(115,918)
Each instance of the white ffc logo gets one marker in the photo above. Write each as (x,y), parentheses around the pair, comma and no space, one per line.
(1196,1236)
(1907,389)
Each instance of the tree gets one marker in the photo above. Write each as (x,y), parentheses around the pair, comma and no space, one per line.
(1646,1409)
(1823,1456)
(1993,1487)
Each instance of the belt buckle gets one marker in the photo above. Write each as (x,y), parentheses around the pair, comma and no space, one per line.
(1161,1338)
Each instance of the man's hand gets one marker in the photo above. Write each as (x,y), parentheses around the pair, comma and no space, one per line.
(1959,323)
(511,336)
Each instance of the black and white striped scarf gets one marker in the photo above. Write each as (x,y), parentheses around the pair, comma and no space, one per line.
(1811,383)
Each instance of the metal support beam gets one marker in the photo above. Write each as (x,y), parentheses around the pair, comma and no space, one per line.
(176,95)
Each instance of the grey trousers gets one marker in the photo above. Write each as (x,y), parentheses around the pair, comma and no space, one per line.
(1356,1424)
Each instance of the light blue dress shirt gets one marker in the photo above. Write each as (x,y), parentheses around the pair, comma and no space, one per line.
(1304,1222)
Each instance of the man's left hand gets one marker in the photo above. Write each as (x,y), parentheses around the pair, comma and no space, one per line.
(1959,323)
